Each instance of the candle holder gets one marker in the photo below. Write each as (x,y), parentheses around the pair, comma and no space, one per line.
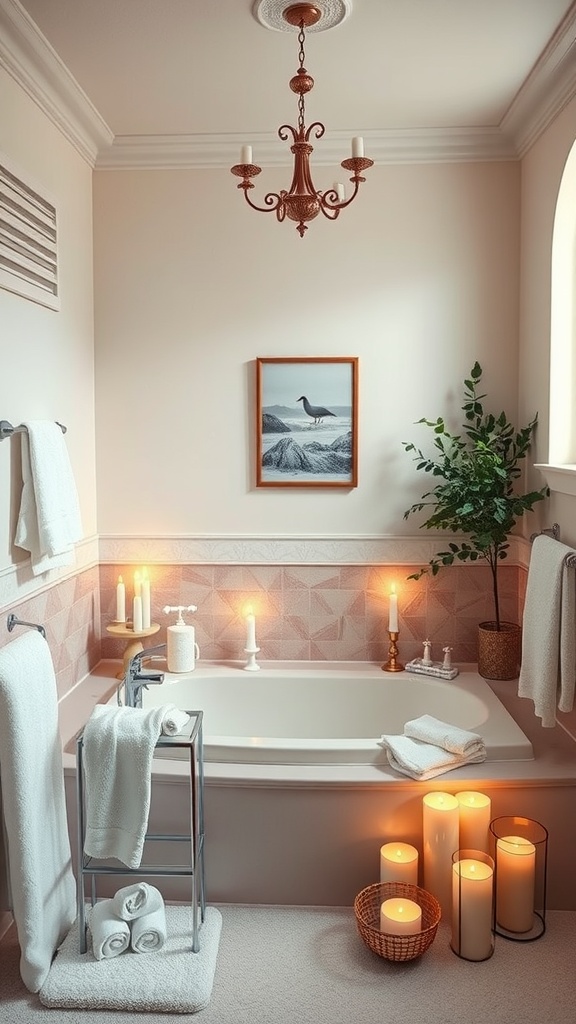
(125,630)
(473,905)
(251,663)
(519,848)
(393,665)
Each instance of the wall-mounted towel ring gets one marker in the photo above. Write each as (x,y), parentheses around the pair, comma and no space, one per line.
(12,621)
(6,429)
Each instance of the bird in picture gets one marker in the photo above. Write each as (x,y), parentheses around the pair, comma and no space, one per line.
(317,412)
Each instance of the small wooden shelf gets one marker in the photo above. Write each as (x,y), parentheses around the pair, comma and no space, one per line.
(135,645)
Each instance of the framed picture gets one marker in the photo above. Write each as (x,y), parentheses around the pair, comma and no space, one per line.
(307,422)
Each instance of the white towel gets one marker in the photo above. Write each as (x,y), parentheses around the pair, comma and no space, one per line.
(110,934)
(174,720)
(423,761)
(548,669)
(49,521)
(148,933)
(43,887)
(441,734)
(118,750)
(135,900)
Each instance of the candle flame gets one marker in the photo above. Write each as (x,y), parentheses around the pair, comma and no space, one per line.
(120,580)
(392,588)
(398,853)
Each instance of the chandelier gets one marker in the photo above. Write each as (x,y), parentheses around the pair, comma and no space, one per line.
(302,202)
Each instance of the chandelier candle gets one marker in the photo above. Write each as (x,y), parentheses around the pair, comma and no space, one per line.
(475,814)
(440,833)
(399,863)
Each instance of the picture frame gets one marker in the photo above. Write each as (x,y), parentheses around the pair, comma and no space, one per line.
(307,422)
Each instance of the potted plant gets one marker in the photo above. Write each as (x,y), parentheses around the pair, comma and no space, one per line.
(474,493)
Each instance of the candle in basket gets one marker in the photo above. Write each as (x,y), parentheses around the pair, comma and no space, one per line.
(399,863)
(120,601)
(400,917)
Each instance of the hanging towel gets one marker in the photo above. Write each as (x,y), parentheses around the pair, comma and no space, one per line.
(548,668)
(42,883)
(424,761)
(110,934)
(135,900)
(49,521)
(148,933)
(118,750)
(442,734)
(174,721)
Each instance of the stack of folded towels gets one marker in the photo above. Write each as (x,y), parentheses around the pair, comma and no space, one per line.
(430,747)
(134,918)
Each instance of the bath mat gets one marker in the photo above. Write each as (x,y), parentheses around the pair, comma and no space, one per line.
(172,980)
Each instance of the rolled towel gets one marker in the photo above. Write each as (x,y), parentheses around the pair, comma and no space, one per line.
(134,901)
(148,933)
(423,761)
(174,720)
(442,734)
(110,934)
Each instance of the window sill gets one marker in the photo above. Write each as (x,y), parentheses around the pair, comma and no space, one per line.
(559,478)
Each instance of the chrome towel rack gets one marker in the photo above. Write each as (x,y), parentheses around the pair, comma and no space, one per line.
(12,621)
(6,429)
(554,532)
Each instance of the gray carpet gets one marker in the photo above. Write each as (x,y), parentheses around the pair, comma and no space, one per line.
(294,965)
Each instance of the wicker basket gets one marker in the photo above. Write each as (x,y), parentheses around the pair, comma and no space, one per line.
(396,947)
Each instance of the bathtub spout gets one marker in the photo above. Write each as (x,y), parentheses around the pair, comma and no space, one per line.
(136,680)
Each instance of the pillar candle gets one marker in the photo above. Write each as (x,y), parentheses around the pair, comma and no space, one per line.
(400,917)
(250,631)
(145,593)
(440,840)
(472,887)
(475,812)
(137,614)
(515,881)
(399,863)
(393,611)
(358,146)
(120,601)
(246,155)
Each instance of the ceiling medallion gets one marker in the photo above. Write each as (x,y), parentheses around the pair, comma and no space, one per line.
(270,14)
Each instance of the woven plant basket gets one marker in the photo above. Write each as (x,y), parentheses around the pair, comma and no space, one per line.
(396,947)
(499,650)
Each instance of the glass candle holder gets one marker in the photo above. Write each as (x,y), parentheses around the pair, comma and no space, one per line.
(519,847)
(472,904)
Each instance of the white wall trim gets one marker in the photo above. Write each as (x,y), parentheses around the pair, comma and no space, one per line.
(17,582)
(35,65)
(275,550)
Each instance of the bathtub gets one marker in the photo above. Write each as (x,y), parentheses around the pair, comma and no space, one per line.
(329,715)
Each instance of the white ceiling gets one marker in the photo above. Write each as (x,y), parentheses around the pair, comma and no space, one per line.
(208,68)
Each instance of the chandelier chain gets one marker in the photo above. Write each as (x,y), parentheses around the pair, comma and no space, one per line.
(301,58)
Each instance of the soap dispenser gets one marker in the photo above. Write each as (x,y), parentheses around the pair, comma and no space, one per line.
(181,647)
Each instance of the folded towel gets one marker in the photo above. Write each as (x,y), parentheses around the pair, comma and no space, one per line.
(424,761)
(148,933)
(110,934)
(548,669)
(49,521)
(135,900)
(442,734)
(42,882)
(118,750)
(174,720)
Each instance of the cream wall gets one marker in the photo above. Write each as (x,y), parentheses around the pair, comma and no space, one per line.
(418,279)
(542,170)
(46,357)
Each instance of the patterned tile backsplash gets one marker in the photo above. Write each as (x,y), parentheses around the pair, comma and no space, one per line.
(303,612)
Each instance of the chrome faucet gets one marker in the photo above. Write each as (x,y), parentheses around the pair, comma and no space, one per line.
(136,680)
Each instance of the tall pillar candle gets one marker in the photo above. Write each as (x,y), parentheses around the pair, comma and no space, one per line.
(440,833)
(515,883)
(399,863)
(475,813)
(472,901)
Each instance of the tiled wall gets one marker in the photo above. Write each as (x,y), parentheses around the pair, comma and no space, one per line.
(303,612)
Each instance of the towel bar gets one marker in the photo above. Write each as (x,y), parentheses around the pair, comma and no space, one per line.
(12,621)
(6,429)
(554,531)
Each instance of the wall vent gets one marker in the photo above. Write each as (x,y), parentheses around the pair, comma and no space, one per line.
(28,239)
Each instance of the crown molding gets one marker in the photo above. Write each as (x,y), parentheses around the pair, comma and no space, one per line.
(30,60)
(28,57)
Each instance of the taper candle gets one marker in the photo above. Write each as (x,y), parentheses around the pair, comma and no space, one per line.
(475,813)
(399,863)
(250,631)
(440,833)
(137,614)
(120,601)
(400,917)
(393,611)
(145,593)
(137,584)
